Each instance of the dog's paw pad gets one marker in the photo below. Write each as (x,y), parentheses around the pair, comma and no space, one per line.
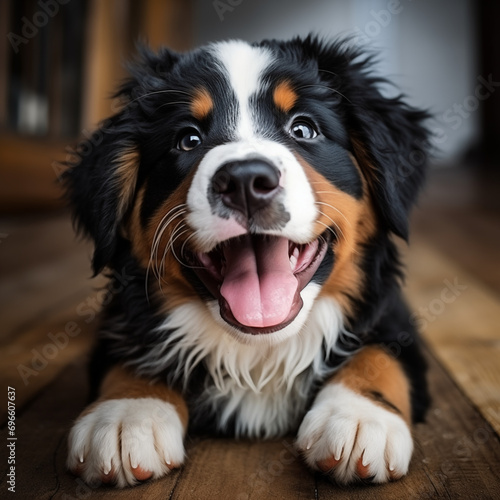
(327,464)
(349,437)
(124,441)
(142,474)
(362,469)
(108,477)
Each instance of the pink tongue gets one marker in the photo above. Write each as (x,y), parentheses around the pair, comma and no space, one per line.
(259,285)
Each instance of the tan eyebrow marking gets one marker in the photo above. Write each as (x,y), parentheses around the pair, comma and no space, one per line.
(285,96)
(202,104)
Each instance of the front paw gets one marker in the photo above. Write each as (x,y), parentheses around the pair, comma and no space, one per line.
(123,441)
(350,438)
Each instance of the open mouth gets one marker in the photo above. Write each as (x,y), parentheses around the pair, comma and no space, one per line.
(257,279)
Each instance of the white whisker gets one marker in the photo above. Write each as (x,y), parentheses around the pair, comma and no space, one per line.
(333,208)
(162,231)
(326,87)
(334,223)
(179,230)
(165,221)
(166,91)
(183,249)
(171,103)
(328,228)
(162,226)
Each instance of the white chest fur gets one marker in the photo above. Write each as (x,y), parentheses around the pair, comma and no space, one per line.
(263,386)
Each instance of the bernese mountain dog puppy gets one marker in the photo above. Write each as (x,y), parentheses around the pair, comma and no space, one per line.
(245,201)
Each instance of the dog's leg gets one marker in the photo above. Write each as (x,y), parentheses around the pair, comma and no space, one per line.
(359,424)
(133,432)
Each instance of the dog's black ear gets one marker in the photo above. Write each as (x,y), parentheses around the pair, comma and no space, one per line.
(100,185)
(390,143)
(101,176)
(148,72)
(389,138)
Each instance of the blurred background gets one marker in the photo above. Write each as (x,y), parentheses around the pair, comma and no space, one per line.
(60,61)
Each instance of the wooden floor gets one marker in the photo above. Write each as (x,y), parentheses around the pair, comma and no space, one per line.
(453,285)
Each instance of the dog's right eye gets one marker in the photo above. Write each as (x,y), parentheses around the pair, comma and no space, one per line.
(189,140)
(302,129)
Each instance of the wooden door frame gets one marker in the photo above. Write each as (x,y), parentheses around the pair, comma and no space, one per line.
(29,164)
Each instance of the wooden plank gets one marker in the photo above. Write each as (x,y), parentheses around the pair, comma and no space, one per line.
(40,292)
(459,318)
(45,289)
(457,455)
(476,235)
(228,469)
(167,23)
(109,32)
(243,470)
(104,56)
(41,447)
(55,240)
(37,280)
(29,178)
(42,352)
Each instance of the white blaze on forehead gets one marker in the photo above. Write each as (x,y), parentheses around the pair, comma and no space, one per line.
(244,65)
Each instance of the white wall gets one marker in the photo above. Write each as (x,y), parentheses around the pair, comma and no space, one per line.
(426,46)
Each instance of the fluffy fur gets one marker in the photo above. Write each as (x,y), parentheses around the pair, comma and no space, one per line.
(220,158)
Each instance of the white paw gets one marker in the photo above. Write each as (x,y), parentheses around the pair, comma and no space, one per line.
(349,437)
(123,441)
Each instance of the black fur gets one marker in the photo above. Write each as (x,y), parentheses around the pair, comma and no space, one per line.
(345,99)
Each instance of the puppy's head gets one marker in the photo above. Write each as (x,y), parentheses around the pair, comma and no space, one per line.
(251,177)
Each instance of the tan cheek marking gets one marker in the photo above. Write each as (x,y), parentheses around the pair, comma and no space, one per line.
(284,96)
(134,230)
(353,222)
(347,278)
(120,383)
(172,289)
(375,374)
(126,178)
(175,289)
(202,104)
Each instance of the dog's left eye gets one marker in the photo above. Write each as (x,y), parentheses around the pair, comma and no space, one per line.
(301,129)
(189,140)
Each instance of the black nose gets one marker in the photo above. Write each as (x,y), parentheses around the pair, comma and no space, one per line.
(246,186)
